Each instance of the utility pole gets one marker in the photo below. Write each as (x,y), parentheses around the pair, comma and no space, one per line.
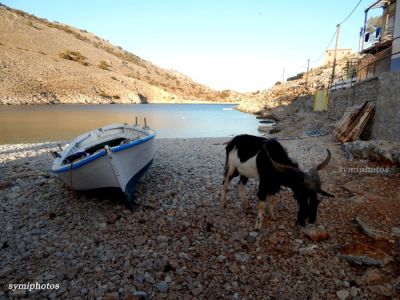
(283,76)
(334,54)
(308,68)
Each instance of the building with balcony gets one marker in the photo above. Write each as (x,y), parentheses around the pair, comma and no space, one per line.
(381,47)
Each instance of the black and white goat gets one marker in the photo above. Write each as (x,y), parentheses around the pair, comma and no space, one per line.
(252,156)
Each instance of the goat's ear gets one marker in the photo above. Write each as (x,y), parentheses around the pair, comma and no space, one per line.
(326,194)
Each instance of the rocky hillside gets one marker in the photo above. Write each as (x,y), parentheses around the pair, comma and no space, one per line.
(44,62)
(286,93)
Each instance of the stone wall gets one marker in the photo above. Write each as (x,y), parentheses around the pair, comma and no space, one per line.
(339,101)
(384,91)
(386,124)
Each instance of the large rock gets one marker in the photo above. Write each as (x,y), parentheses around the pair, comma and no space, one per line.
(374,150)
(363,254)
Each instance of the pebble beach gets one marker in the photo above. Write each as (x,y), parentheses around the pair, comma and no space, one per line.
(179,243)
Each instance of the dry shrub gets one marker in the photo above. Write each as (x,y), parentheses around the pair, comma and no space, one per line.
(74,56)
(104,65)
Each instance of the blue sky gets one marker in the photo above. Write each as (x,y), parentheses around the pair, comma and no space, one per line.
(239,45)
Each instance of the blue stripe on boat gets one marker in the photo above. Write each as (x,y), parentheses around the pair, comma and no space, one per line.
(132,144)
(101,153)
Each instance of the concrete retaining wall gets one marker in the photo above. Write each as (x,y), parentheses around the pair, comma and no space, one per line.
(384,91)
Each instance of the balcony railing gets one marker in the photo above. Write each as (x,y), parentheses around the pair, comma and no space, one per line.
(366,67)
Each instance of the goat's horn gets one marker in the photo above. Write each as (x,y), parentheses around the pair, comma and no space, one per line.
(278,166)
(326,161)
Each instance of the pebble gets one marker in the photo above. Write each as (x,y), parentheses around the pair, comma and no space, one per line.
(112,219)
(162,239)
(149,278)
(4,184)
(184,255)
(221,258)
(252,237)
(353,291)
(111,296)
(242,257)
(382,289)
(71,273)
(358,199)
(308,250)
(140,295)
(343,294)
(162,286)
(234,268)
(197,291)
(372,276)
(140,240)
(395,231)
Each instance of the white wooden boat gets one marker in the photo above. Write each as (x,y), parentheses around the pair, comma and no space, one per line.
(113,156)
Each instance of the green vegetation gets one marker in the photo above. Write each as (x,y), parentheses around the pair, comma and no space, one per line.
(74,56)
(298,76)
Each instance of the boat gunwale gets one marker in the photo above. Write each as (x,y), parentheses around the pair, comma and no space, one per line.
(115,149)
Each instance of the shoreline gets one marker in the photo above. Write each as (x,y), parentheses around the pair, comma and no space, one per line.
(83,104)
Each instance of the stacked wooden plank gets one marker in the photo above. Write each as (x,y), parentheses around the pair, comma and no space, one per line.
(354,122)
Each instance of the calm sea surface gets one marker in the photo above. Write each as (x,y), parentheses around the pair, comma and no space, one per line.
(39,123)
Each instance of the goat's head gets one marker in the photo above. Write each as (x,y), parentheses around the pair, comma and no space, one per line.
(306,186)
(312,182)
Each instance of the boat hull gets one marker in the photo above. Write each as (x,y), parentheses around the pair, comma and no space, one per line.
(99,173)
(120,166)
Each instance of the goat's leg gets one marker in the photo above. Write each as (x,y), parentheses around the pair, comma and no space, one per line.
(262,197)
(260,215)
(242,191)
(271,202)
(229,174)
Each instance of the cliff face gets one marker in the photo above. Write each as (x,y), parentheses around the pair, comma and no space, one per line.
(43,62)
